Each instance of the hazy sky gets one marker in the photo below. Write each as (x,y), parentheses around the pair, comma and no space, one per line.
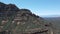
(39,7)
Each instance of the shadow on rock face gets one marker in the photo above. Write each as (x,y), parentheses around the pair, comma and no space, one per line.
(4,32)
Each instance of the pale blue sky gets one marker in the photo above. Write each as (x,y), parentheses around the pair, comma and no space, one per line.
(39,7)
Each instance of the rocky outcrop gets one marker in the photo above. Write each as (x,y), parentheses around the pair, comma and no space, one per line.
(7,9)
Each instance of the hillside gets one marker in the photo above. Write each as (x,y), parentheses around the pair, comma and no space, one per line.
(22,21)
(19,21)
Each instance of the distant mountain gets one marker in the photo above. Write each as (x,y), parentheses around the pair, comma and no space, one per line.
(54,20)
(47,16)
(55,23)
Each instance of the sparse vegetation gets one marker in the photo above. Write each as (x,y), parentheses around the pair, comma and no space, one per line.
(21,21)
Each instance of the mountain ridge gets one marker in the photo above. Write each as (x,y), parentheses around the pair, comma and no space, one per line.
(14,20)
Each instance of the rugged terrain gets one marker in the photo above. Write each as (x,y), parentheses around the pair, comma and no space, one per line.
(22,21)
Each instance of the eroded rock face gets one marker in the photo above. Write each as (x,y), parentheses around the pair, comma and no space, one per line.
(19,21)
(7,9)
